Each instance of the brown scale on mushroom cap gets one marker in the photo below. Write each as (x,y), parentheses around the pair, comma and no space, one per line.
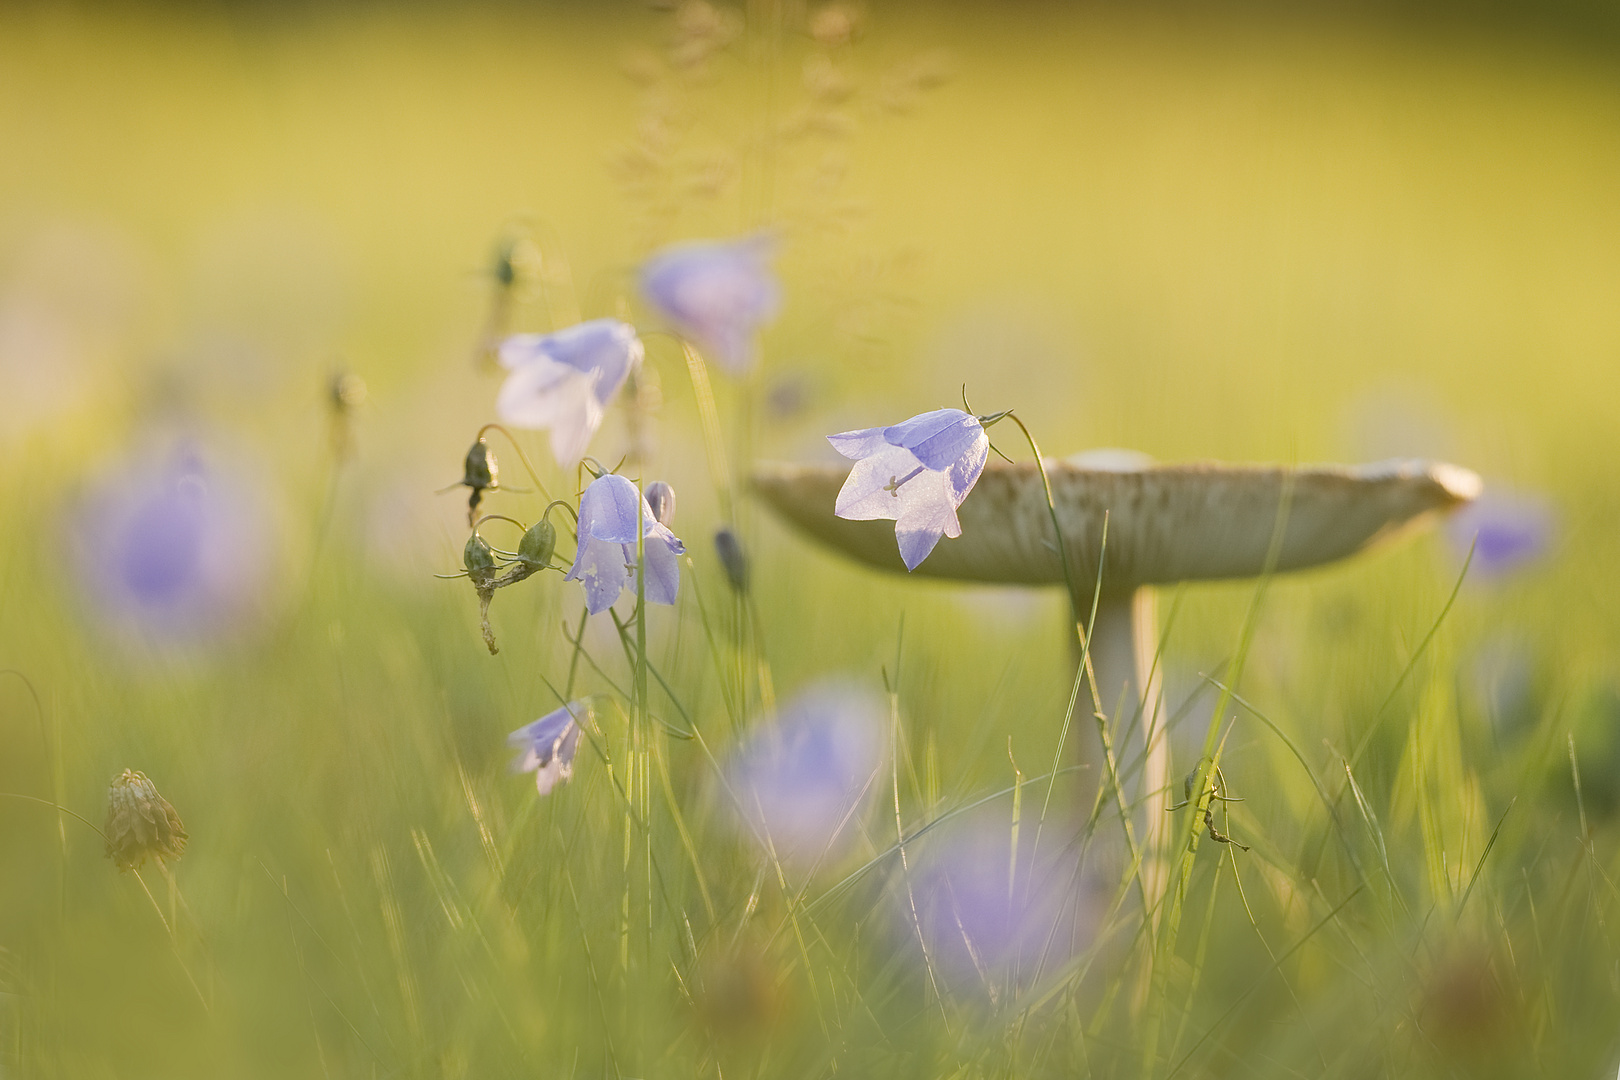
(1166,523)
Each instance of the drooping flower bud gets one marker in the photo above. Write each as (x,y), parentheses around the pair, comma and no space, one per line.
(481,473)
(140,823)
(505,269)
(346,392)
(661,497)
(732,558)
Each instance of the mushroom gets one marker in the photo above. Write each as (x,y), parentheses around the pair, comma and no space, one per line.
(1200,521)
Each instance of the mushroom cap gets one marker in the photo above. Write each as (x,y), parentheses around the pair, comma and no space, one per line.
(1187,522)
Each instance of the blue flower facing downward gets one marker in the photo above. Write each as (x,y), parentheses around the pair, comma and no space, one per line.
(178,552)
(547,746)
(606,562)
(801,779)
(915,473)
(718,294)
(564,381)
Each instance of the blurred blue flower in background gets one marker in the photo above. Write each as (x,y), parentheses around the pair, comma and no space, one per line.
(801,778)
(916,473)
(609,513)
(1508,530)
(986,915)
(717,294)
(547,746)
(175,552)
(564,381)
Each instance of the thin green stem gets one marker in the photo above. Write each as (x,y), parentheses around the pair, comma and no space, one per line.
(54,806)
(540,485)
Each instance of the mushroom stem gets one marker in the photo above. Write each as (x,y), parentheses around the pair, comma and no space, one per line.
(1124,641)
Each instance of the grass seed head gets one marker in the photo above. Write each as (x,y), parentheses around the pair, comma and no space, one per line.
(140,823)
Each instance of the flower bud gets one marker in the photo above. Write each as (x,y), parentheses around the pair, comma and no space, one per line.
(730,550)
(661,498)
(480,473)
(535,549)
(347,391)
(479,561)
(505,272)
(140,823)
(481,468)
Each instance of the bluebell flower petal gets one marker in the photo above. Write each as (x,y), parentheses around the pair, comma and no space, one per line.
(520,349)
(546,394)
(176,552)
(716,294)
(938,438)
(611,510)
(965,471)
(801,778)
(609,515)
(1507,530)
(564,381)
(547,746)
(858,444)
(915,473)
(601,567)
(662,554)
(561,765)
(871,491)
(927,513)
(606,348)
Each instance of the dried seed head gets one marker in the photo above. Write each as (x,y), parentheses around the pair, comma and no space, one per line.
(730,550)
(661,500)
(141,823)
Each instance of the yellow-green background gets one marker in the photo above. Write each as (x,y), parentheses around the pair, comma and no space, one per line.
(1194,231)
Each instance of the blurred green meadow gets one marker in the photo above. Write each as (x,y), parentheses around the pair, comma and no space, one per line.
(1237,234)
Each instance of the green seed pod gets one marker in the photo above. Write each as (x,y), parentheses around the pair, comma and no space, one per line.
(479,561)
(537,545)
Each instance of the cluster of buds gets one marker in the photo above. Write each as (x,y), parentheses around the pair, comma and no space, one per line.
(489,570)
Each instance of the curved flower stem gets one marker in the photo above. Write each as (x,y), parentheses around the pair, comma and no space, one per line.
(539,485)
(568,506)
(54,806)
(499,517)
